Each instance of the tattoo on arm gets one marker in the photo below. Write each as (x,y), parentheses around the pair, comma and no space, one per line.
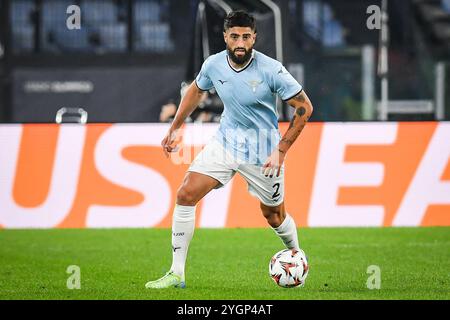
(298,121)
(300,114)
(300,111)
(286,140)
(300,98)
(291,124)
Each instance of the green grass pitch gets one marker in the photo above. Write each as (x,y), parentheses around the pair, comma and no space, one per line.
(224,263)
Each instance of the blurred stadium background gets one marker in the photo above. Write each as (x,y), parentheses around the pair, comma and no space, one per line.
(145,50)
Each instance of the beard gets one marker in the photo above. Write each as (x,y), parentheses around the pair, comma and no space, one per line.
(240,60)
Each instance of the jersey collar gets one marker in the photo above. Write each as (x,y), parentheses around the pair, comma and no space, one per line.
(244,67)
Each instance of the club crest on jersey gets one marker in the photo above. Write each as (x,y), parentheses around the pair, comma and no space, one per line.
(254,84)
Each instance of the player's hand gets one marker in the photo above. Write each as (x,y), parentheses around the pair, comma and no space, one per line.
(170,142)
(273,163)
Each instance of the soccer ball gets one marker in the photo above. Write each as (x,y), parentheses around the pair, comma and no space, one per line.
(289,268)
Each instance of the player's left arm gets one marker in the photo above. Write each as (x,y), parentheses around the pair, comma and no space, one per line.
(303,110)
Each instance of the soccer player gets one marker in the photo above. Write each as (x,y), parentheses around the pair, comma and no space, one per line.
(247,142)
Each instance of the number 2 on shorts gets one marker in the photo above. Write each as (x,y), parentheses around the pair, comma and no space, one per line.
(277,188)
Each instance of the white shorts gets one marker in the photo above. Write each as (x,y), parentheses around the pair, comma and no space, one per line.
(216,162)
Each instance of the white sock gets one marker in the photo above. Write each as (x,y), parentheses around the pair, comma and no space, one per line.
(183,226)
(287,231)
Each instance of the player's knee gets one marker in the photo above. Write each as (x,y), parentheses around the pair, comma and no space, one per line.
(275,220)
(186,197)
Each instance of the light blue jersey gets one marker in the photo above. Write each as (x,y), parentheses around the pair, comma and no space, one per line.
(249,123)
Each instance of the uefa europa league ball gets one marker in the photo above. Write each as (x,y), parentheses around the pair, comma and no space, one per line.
(289,268)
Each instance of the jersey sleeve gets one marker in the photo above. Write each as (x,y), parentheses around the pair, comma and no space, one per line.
(202,80)
(285,84)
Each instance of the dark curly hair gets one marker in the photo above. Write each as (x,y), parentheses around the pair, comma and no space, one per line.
(239,18)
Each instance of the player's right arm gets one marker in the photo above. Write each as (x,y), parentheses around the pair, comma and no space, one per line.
(188,104)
